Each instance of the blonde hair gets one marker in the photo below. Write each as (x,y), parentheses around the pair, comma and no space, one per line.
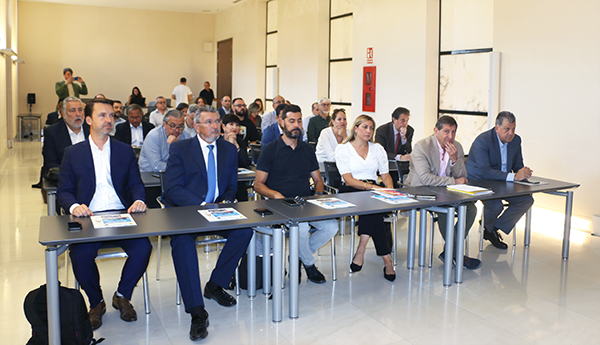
(359,120)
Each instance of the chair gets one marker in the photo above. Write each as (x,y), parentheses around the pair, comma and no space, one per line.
(403,168)
(255,152)
(207,241)
(514,230)
(334,180)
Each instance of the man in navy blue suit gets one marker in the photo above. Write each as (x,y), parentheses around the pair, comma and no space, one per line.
(203,170)
(496,155)
(100,174)
(275,130)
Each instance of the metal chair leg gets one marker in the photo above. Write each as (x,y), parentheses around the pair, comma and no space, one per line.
(431,230)
(333,265)
(238,291)
(177,294)
(158,257)
(394,248)
(146,293)
(352,225)
(481,230)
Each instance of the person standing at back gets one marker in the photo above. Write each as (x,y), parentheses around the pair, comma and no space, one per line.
(182,93)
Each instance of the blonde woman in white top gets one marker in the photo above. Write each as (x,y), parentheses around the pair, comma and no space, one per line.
(358,159)
(332,136)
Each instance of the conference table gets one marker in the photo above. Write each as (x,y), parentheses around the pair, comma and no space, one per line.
(55,236)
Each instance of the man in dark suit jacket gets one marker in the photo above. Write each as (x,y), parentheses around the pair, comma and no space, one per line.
(71,130)
(187,183)
(225,106)
(496,155)
(396,136)
(126,129)
(55,116)
(274,131)
(84,187)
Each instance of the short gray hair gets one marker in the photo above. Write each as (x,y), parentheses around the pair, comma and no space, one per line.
(70,99)
(173,113)
(510,117)
(204,109)
(324,99)
(193,109)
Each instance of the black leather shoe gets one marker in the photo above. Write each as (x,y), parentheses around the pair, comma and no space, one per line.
(495,238)
(390,277)
(314,275)
(37,185)
(468,263)
(199,327)
(214,291)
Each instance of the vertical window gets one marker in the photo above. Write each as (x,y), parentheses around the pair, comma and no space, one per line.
(340,55)
(271,72)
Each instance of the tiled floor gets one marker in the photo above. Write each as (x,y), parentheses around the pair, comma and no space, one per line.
(521,297)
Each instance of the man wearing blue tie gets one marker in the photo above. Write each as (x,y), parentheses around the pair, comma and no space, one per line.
(203,170)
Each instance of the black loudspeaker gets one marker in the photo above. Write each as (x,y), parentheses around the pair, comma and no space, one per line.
(31,98)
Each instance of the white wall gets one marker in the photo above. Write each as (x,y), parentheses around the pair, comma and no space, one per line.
(8,76)
(403,34)
(112,49)
(550,79)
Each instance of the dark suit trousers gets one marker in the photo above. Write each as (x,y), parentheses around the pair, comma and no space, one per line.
(185,260)
(517,206)
(470,218)
(86,272)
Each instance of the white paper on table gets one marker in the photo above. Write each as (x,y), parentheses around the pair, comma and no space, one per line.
(221,214)
(331,203)
(112,220)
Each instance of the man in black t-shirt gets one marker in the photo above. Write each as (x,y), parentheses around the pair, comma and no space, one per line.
(283,171)
(207,93)
(248,129)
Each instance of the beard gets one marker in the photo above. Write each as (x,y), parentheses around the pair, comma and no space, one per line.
(243,113)
(295,133)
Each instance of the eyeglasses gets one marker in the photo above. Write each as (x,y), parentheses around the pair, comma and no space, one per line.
(161,102)
(209,122)
(174,126)
(239,105)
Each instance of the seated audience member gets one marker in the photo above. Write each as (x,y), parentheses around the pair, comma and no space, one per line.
(306,120)
(200,102)
(189,119)
(156,117)
(85,188)
(70,131)
(155,151)
(261,109)
(253,114)
(182,93)
(396,136)
(55,116)
(100,95)
(319,123)
(358,159)
(204,170)
(248,130)
(332,136)
(283,171)
(119,118)
(135,130)
(275,130)
(206,94)
(225,106)
(269,118)
(182,107)
(439,160)
(496,155)
(136,98)
(231,129)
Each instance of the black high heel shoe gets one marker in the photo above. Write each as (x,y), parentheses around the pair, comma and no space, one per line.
(354,267)
(390,277)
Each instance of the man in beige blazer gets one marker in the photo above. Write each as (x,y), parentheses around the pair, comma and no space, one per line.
(439,160)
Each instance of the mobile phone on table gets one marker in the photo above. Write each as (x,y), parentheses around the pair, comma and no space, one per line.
(290,202)
(263,211)
(74,226)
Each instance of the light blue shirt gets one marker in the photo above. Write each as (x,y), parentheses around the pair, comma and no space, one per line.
(155,151)
(504,156)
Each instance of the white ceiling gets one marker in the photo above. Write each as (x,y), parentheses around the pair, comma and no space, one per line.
(195,6)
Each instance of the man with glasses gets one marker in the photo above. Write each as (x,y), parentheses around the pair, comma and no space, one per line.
(319,123)
(156,117)
(155,151)
(248,129)
(269,118)
(192,179)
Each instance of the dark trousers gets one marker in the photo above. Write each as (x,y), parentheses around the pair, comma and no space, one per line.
(86,272)
(373,226)
(185,260)
(470,218)
(517,206)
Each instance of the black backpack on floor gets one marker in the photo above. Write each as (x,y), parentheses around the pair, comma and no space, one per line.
(75,327)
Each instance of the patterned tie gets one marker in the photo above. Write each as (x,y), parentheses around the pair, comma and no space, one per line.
(212,176)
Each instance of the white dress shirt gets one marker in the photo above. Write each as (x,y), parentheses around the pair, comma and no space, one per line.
(137,135)
(348,160)
(76,137)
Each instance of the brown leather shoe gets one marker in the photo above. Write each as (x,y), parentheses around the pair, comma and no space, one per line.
(124,306)
(96,315)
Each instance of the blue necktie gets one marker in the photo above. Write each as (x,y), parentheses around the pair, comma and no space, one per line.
(212,176)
